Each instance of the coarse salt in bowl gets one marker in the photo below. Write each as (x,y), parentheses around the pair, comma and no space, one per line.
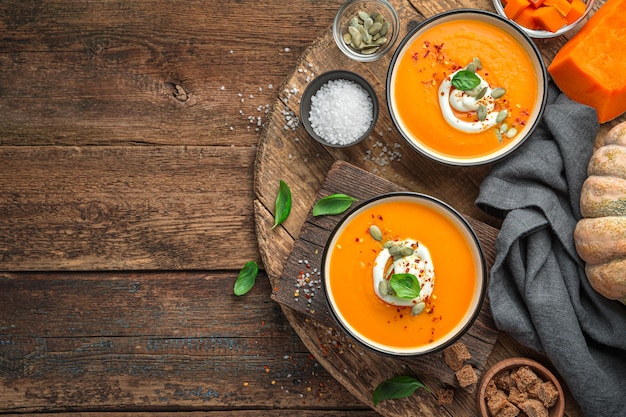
(339,108)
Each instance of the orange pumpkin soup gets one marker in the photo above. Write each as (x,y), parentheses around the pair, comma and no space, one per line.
(350,280)
(434,56)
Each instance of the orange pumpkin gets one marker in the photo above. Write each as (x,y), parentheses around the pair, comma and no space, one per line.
(600,237)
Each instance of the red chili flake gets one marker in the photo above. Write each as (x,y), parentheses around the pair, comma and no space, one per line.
(439,47)
(380,217)
(415,56)
(426,44)
(426,53)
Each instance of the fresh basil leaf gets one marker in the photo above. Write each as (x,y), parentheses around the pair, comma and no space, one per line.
(397,387)
(405,285)
(333,204)
(465,80)
(283,204)
(246,278)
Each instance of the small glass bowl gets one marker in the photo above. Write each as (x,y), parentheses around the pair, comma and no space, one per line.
(351,9)
(544,34)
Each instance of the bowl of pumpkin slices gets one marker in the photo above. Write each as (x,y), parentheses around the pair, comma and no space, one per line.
(544,18)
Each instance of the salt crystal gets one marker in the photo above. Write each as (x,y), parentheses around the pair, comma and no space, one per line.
(341,112)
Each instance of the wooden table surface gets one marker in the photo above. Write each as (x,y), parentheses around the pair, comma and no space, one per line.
(128,139)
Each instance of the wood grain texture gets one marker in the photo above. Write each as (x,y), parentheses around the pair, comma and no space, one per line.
(153,72)
(153,341)
(115,208)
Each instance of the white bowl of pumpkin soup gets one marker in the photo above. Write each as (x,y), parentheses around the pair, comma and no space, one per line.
(404,274)
(466,87)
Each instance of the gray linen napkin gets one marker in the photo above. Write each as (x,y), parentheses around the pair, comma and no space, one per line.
(538,289)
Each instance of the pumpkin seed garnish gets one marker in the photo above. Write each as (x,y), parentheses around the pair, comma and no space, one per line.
(498,92)
(477,63)
(406,251)
(366,33)
(376,233)
(499,135)
(482,112)
(418,308)
(388,244)
(502,114)
(482,93)
(511,132)
(383,287)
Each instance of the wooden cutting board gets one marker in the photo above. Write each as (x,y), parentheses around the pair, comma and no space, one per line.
(300,289)
(286,152)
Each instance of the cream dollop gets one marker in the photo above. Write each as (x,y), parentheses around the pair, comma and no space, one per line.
(419,264)
(465,101)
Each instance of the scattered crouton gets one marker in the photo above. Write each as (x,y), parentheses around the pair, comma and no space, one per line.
(466,376)
(445,396)
(456,355)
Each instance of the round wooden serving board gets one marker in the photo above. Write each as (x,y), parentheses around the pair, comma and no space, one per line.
(286,152)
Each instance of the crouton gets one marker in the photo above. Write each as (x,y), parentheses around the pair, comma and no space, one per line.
(509,410)
(547,393)
(534,408)
(526,377)
(456,355)
(466,376)
(491,388)
(516,396)
(496,402)
(503,380)
(445,396)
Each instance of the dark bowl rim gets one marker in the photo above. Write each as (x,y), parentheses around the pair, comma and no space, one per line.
(316,83)
(516,28)
(475,240)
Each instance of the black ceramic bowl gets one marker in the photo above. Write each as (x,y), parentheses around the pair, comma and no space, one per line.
(506,28)
(459,265)
(314,86)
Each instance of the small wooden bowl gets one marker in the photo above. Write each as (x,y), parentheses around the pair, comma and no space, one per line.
(557,410)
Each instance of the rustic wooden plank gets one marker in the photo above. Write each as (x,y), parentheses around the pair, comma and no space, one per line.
(114,208)
(152,341)
(158,72)
(305,259)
